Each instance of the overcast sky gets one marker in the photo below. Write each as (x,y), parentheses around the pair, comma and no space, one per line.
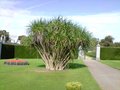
(100,17)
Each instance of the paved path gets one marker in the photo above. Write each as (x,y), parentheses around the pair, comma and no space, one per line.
(107,77)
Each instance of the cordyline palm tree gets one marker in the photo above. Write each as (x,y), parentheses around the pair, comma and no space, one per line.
(57,41)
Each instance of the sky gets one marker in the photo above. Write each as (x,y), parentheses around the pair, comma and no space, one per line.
(100,17)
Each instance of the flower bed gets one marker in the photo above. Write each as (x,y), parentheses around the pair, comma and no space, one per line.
(16,62)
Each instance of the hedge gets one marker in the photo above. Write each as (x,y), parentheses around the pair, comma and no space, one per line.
(25,52)
(7,51)
(30,52)
(110,53)
(18,51)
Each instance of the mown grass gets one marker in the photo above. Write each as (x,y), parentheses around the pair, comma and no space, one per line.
(35,77)
(91,54)
(112,63)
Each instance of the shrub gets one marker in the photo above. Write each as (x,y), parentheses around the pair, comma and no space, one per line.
(73,86)
(110,53)
(16,62)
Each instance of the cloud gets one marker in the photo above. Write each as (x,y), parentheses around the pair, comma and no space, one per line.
(7,7)
(98,18)
(15,20)
(42,4)
(100,25)
(8,3)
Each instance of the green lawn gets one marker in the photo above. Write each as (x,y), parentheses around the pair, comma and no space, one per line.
(112,63)
(35,77)
(91,54)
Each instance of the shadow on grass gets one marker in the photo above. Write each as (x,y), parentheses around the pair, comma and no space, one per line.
(41,66)
(70,66)
(75,66)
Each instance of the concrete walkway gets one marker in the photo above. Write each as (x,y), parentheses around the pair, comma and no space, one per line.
(107,77)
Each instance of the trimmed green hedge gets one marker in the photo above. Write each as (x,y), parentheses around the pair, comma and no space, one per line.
(110,53)
(18,51)
(25,52)
(7,51)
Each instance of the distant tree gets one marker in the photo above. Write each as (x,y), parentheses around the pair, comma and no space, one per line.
(26,41)
(116,44)
(4,36)
(93,44)
(20,38)
(107,41)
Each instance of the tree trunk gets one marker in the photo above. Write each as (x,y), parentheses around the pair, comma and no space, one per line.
(51,66)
